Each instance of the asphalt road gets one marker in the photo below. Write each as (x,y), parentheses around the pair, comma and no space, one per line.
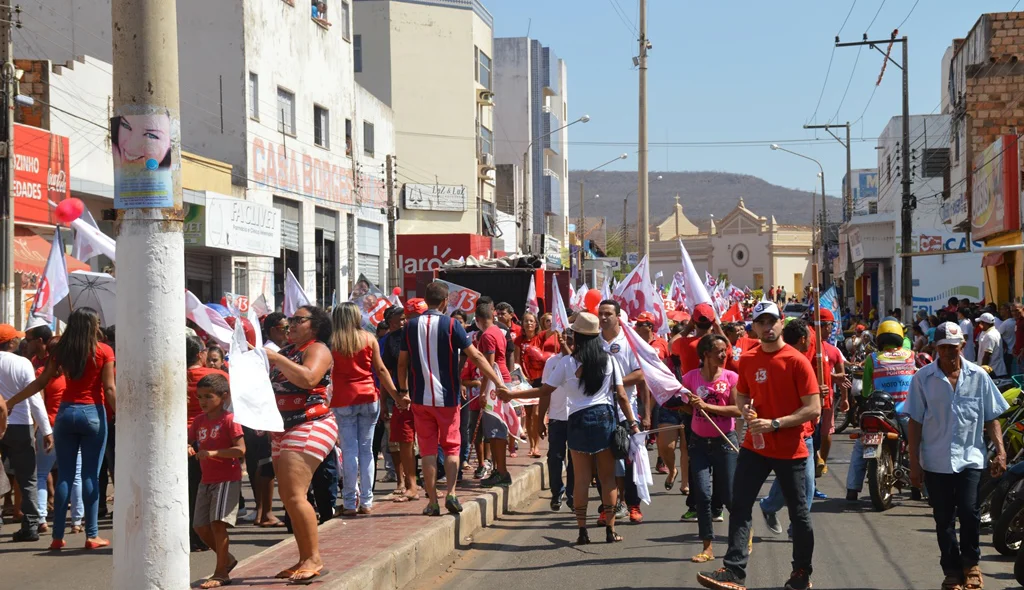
(854,547)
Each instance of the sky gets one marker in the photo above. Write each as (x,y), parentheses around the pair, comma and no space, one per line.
(740,71)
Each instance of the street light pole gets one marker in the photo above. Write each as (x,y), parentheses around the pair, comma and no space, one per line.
(643,219)
(526,225)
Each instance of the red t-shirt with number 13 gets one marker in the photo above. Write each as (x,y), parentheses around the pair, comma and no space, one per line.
(775,382)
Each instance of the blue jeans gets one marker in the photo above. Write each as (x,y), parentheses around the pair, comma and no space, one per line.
(859,465)
(558,432)
(78,428)
(355,432)
(707,454)
(774,501)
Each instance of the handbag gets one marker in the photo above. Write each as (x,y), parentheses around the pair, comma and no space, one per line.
(620,436)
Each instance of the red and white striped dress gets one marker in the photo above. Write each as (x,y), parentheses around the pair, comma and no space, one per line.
(310,427)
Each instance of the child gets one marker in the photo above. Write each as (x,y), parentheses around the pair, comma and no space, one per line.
(221,448)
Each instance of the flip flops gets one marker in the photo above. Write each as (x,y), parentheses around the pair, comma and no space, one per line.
(220,582)
(313,575)
(702,558)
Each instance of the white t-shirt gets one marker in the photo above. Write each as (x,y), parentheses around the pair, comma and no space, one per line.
(967,327)
(559,408)
(619,349)
(16,373)
(563,374)
(1008,333)
(990,342)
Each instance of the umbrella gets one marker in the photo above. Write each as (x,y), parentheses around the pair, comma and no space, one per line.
(97,290)
(223,311)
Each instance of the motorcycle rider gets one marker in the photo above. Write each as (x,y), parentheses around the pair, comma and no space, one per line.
(890,370)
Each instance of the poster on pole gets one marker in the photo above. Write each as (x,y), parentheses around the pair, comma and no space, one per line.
(142,146)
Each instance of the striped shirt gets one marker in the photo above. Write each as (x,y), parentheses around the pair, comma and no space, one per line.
(434,342)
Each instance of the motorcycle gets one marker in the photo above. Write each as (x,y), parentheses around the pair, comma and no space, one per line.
(850,418)
(885,448)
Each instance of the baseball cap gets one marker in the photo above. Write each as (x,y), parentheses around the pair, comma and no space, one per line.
(415,305)
(703,311)
(987,318)
(860,328)
(827,315)
(8,333)
(766,307)
(36,322)
(948,333)
(644,317)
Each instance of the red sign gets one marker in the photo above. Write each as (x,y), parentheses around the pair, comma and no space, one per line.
(930,244)
(995,195)
(41,173)
(420,252)
(293,170)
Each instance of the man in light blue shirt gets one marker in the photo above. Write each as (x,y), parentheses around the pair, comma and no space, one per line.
(952,404)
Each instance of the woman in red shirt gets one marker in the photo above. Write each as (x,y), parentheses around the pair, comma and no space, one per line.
(356,404)
(81,422)
(531,358)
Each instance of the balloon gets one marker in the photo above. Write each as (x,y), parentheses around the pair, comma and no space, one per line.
(69,210)
(396,291)
(592,300)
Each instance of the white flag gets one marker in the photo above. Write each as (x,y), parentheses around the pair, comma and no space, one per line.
(90,241)
(294,296)
(606,289)
(559,319)
(695,291)
(260,306)
(531,298)
(252,395)
(576,302)
(53,285)
(636,294)
(208,320)
(659,378)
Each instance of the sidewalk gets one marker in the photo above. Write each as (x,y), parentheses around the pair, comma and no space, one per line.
(389,548)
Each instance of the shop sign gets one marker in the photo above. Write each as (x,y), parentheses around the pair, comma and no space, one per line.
(234,224)
(996,193)
(550,248)
(954,210)
(41,173)
(436,197)
(928,243)
(424,252)
(856,247)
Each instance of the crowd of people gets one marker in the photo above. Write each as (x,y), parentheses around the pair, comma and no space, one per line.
(754,403)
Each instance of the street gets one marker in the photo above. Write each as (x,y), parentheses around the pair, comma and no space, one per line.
(854,548)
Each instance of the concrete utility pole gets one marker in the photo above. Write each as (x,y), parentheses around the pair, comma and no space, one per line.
(7,302)
(909,202)
(643,220)
(394,275)
(151,546)
(622,259)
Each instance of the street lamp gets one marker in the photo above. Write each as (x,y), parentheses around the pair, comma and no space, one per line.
(525,230)
(580,228)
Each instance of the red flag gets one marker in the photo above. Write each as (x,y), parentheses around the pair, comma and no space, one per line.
(733,314)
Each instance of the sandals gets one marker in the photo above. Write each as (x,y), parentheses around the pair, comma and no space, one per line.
(285,574)
(433,509)
(669,483)
(219,582)
(610,536)
(308,576)
(973,579)
(952,582)
(702,557)
(583,538)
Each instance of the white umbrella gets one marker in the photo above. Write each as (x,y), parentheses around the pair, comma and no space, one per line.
(97,290)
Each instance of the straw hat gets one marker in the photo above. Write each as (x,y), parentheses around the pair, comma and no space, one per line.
(586,324)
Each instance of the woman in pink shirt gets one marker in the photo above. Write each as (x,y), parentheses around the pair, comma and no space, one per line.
(712,394)
(356,403)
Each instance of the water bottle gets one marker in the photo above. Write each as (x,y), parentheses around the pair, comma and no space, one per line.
(756,438)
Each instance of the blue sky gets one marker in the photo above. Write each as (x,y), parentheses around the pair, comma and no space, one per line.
(729,70)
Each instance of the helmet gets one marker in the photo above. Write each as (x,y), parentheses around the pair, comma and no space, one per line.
(890,333)
(880,402)
(922,359)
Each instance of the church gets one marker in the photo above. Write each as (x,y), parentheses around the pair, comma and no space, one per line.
(749,249)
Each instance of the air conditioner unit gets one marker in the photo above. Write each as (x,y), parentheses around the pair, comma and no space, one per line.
(485,172)
(487,160)
(485,97)
(545,109)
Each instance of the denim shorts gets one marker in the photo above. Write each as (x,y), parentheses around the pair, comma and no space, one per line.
(590,429)
(668,417)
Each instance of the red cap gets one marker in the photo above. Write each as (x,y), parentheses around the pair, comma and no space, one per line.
(416,305)
(703,311)
(8,333)
(645,316)
(861,328)
(250,333)
(826,315)
(679,316)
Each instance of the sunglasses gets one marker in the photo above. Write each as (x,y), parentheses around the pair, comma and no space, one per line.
(647,325)
(298,319)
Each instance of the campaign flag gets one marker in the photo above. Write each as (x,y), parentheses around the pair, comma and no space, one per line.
(733,314)
(572,294)
(695,291)
(531,298)
(504,411)
(294,295)
(53,285)
(559,319)
(677,291)
(830,300)
(709,281)
(636,294)
(252,395)
(370,300)
(660,380)
(90,242)
(735,293)
(260,306)
(208,320)
(606,289)
(576,302)
(460,297)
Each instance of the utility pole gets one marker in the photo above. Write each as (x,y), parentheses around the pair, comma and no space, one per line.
(908,204)
(643,220)
(394,274)
(151,546)
(7,302)
(624,234)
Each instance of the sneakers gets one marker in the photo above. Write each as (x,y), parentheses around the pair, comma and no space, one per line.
(443,480)
(621,512)
(432,509)
(721,579)
(852,496)
(482,471)
(25,535)
(690,516)
(798,580)
(635,516)
(602,518)
(718,516)
(389,477)
(820,495)
(451,503)
(497,479)
(771,520)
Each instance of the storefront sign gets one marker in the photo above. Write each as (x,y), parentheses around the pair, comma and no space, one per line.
(856,247)
(954,210)
(996,192)
(234,224)
(435,197)
(295,171)
(422,252)
(41,173)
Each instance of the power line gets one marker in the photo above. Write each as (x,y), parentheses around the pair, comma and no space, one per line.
(845,20)
(850,81)
(900,26)
(868,28)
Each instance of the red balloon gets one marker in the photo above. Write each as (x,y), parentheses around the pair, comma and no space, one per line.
(69,210)
(396,291)
(592,300)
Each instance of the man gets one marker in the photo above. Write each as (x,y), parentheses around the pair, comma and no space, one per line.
(504,315)
(777,393)
(557,410)
(275,330)
(429,364)
(963,315)
(1008,334)
(990,345)
(644,325)
(739,343)
(952,404)
(835,372)
(614,342)
(490,341)
(951,305)
(18,442)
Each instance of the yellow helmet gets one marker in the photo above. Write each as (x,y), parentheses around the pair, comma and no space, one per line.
(890,333)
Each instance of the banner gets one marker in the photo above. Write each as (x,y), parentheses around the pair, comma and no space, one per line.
(830,300)
(53,286)
(504,411)
(559,319)
(294,295)
(371,301)
(460,297)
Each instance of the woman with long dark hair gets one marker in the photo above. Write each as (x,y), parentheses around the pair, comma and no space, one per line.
(81,422)
(300,373)
(593,381)
(531,359)
(713,394)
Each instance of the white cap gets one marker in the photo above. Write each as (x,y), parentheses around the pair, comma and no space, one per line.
(35,322)
(949,333)
(987,318)
(766,307)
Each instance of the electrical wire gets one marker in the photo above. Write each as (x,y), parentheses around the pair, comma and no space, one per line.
(868,28)
(900,26)
(850,81)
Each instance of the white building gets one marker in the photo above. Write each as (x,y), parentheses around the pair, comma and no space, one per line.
(270,90)
(531,102)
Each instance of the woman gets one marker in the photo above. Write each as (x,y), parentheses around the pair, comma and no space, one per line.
(713,395)
(356,404)
(300,373)
(531,357)
(81,422)
(920,340)
(215,358)
(593,381)
(142,140)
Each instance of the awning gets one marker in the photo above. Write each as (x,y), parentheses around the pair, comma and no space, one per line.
(31,252)
(992,259)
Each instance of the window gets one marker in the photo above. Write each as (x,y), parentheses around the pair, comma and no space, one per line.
(348,137)
(321,127)
(357,53)
(241,272)
(346,27)
(319,12)
(254,96)
(368,139)
(286,110)
(486,140)
(934,161)
(483,69)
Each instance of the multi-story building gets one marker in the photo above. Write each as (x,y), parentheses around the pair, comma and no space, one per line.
(431,61)
(531,104)
(256,95)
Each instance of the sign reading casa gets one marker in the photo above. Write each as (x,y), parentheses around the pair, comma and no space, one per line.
(41,173)
(294,170)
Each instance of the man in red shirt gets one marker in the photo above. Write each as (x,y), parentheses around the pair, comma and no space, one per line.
(739,343)
(835,372)
(490,341)
(684,348)
(778,394)
(644,325)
